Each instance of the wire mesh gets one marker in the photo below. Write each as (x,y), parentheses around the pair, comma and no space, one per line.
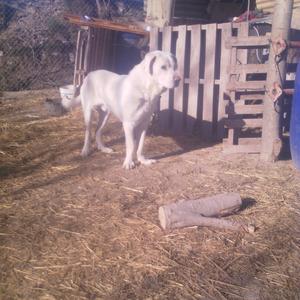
(37,46)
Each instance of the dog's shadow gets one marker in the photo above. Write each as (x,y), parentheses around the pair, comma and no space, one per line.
(186,144)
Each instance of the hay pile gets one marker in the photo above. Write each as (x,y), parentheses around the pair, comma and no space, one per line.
(87,229)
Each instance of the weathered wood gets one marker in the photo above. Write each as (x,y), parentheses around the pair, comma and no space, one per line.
(208,89)
(232,149)
(224,78)
(105,24)
(246,86)
(252,97)
(271,134)
(192,107)
(178,93)
(77,58)
(201,212)
(248,68)
(154,33)
(165,109)
(160,13)
(232,136)
(241,123)
(82,49)
(87,54)
(244,141)
(247,42)
(236,109)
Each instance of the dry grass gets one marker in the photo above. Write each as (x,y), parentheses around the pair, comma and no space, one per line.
(87,229)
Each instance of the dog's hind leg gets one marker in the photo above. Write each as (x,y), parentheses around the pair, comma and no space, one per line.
(87,114)
(103,117)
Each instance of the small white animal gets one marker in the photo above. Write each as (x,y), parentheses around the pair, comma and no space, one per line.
(131,98)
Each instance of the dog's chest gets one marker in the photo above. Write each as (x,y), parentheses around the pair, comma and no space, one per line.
(145,106)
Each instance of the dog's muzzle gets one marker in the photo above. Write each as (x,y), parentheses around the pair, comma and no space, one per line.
(177,81)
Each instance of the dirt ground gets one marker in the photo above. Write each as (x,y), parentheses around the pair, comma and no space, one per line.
(74,228)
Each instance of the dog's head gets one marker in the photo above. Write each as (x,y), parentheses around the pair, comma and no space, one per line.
(162,67)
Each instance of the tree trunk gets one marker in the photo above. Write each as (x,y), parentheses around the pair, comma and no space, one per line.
(271,134)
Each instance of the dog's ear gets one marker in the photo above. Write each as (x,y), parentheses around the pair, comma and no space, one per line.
(150,59)
(173,57)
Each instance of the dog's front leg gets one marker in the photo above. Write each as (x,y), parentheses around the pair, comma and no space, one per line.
(130,145)
(141,158)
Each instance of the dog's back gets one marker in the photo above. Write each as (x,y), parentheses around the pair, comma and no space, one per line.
(102,88)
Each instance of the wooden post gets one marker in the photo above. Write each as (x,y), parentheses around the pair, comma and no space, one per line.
(160,13)
(271,135)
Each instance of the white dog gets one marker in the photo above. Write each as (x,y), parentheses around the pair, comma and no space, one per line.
(131,98)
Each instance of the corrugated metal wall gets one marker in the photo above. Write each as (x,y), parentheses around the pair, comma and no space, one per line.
(268,5)
(193,9)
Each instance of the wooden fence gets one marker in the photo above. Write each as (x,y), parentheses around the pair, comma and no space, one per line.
(197,104)
(223,89)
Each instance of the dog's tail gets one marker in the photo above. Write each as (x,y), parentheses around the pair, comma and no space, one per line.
(70,102)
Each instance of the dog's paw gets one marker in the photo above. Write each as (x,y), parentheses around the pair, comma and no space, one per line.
(128,165)
(85,152)
(105,149)
(147,162)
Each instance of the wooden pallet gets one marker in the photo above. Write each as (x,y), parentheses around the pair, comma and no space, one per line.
(245,108)
(194,107)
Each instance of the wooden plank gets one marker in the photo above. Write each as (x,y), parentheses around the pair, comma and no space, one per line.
(154,33)
(153,45)
(248,68)
(105,24)
(246,86)
(93,52)
(232,94)
(209,74)
(178,93)
(81,58)
(232,149)
(192,107)
(87,54)
(242,55)
(232,136)
(245,141)
(224,78)
(245,109)
(248,41)
(77,58)
(165,112)
(242,123)
(252,97)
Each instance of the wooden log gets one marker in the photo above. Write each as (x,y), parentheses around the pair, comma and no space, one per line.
(200,212)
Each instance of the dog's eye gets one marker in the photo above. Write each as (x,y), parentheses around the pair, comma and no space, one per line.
(164,67)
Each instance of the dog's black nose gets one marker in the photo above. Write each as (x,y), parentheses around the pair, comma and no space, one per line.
(177,81)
